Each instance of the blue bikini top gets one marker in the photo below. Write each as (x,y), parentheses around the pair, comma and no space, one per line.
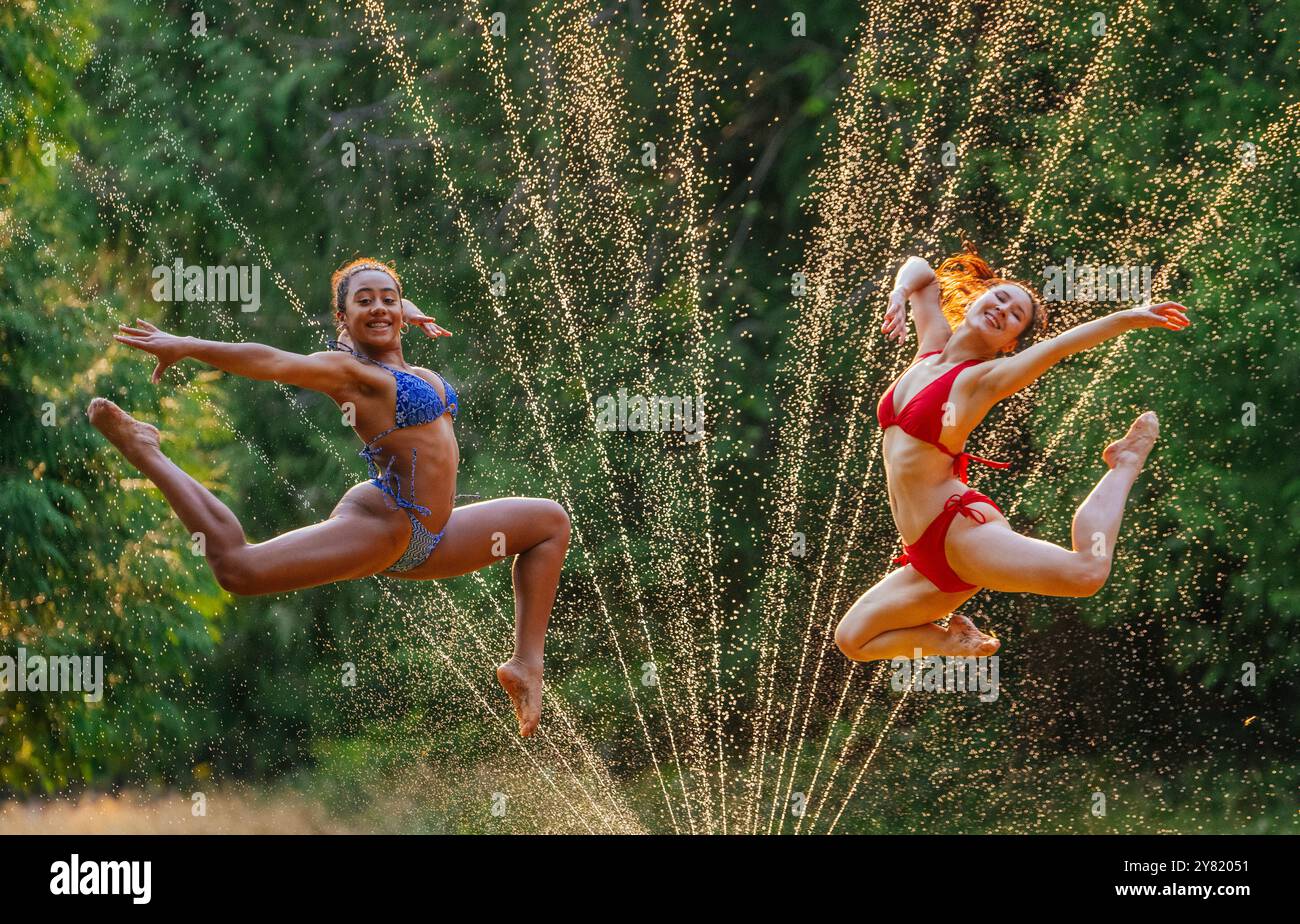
(418,402)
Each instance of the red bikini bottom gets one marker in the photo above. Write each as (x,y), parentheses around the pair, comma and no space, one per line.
(927,556)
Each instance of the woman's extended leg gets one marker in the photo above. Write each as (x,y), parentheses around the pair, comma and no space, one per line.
(536,532)
(896,617)
(353,543)
(996,557)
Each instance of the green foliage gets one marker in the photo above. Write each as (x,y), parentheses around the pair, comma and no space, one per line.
(86,569)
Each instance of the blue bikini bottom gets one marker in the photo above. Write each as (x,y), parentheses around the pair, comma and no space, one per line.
(418,549)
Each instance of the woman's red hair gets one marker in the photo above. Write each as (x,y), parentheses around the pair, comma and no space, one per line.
(966,276)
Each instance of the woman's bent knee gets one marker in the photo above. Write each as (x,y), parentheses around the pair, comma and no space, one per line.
(843,640)
(848,636)
(557,520)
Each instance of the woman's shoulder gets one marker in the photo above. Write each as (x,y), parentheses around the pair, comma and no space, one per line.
(360,371)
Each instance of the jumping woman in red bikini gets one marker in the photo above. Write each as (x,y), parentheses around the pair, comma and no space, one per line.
(973,329)
(401,523)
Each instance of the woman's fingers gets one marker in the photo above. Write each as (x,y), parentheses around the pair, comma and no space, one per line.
(895,323)
(133,330)
(431,328)
(145,324)
(158,371)
(132,341)
(1172,315)
(1169,315)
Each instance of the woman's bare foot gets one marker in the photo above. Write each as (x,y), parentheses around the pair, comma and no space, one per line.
(1135,446)
(524,685)
(132,437)
(965,640)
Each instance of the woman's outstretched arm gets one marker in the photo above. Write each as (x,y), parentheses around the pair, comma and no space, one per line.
(917,283)
(1005,377)
(326,372)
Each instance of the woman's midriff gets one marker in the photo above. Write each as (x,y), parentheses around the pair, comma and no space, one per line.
(920,481)
(437,457)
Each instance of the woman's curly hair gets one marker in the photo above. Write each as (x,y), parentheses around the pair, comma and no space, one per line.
(966,276)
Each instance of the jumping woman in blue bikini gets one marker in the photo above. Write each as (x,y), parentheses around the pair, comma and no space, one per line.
(401,523)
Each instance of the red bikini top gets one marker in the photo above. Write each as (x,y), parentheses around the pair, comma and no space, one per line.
(922,416)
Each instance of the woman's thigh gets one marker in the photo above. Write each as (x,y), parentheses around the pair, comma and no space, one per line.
(355,542)
(994,556)
(478,535)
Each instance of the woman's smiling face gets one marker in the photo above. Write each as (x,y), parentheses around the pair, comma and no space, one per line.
(1001,315)
(372,312)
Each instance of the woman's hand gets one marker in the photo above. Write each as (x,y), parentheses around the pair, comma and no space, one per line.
(413,315)
(895,326)
(1169,315)
(168,348)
